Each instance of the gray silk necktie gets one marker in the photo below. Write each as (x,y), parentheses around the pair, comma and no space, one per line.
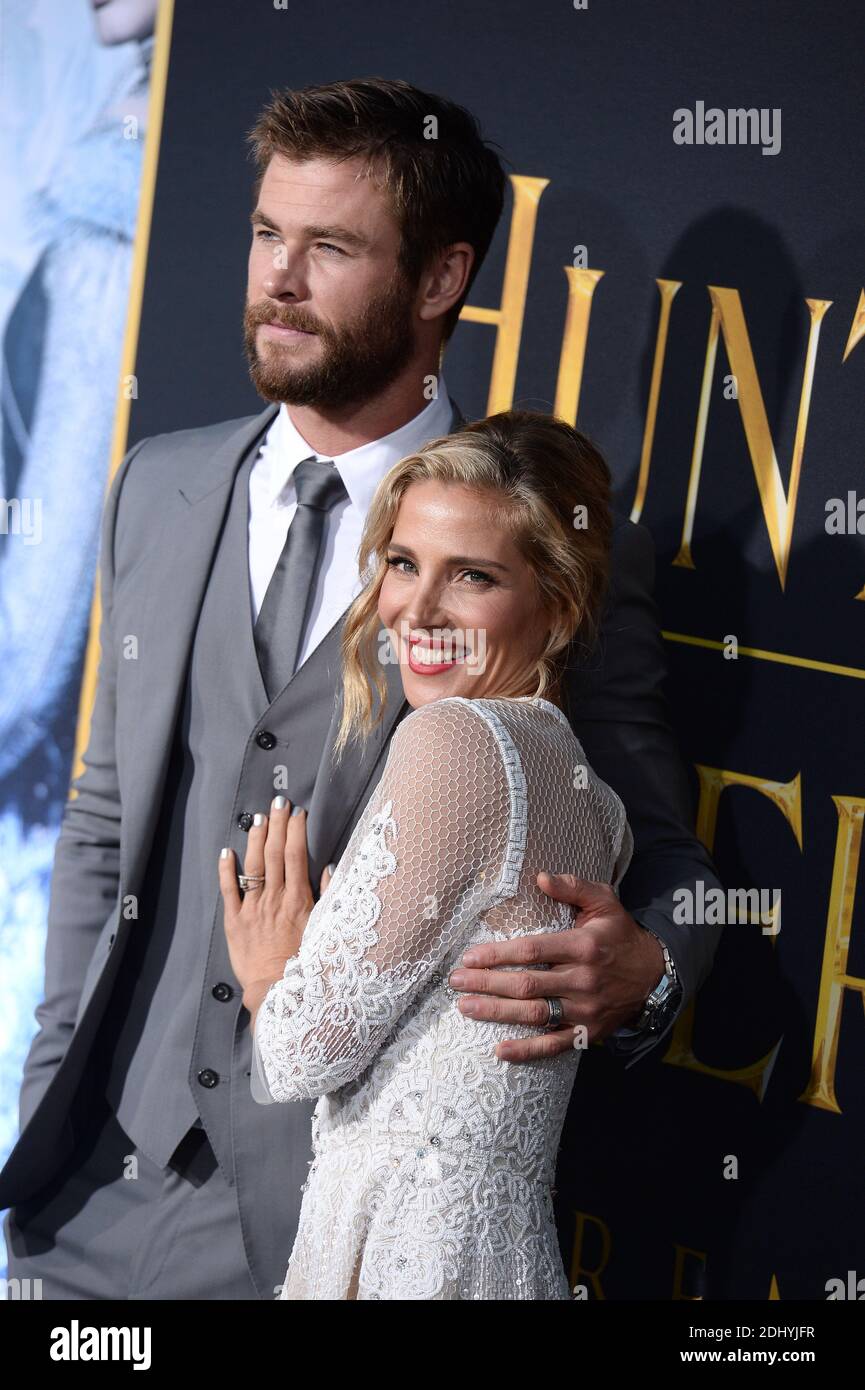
(284,610)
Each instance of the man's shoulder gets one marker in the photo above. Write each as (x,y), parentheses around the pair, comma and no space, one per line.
(198,439)
(192,455)
(631,548)
(203,436)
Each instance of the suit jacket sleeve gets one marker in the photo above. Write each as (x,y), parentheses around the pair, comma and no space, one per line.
(615,700)
(86,872)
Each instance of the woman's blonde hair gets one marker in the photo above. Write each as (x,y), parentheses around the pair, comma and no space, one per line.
(536,475)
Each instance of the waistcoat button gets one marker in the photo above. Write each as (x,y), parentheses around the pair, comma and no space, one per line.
(208,1078)
(244,820)
(222,992)
(265,739)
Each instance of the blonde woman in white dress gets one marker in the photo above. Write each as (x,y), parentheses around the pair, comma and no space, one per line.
(484,555)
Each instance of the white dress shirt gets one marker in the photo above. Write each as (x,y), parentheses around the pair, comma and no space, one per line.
(273,502)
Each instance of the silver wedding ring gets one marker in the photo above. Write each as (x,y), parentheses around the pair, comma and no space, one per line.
(557,1014)
(247,881)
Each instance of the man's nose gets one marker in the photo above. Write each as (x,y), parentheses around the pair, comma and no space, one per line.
(285,279)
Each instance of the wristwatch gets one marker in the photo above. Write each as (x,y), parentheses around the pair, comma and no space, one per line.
(658,1009)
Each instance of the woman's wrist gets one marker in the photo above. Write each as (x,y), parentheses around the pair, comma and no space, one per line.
(255,992)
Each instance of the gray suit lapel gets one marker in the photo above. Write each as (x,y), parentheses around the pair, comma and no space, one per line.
(153,685)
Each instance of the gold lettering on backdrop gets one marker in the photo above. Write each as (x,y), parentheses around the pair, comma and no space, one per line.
(857,327)
(581,289)
(668,290)
(682,1253)
(580,1273)
(508,318)
(854,337)
(779,508)
(834,978)
(787,797)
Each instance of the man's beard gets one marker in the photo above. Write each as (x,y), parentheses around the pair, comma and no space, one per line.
(358,359)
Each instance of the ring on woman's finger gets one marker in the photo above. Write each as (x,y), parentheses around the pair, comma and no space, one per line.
(247,881)
(557,1014)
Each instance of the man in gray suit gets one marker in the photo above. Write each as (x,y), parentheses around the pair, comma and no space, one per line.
(144,1168)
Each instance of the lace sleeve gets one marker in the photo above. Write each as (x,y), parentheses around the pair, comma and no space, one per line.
(623,854)
(429,852)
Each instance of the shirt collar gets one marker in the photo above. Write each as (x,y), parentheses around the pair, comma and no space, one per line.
(361,469)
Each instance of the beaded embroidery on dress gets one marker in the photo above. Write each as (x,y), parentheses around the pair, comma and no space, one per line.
(433,1159)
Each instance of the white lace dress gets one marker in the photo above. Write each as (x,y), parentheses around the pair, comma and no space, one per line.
(433,1159)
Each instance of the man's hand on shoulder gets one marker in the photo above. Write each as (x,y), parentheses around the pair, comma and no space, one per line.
(602,970)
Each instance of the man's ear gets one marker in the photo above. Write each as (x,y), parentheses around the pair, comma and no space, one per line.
(445,280)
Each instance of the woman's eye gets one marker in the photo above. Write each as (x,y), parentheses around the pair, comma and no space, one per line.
(478,577)
(328,246)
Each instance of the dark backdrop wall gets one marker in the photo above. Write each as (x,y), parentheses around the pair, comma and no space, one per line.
(730,1164)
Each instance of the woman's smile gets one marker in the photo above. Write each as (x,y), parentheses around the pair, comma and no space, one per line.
(430,658)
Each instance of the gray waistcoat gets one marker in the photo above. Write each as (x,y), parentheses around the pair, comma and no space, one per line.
(171,1033)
